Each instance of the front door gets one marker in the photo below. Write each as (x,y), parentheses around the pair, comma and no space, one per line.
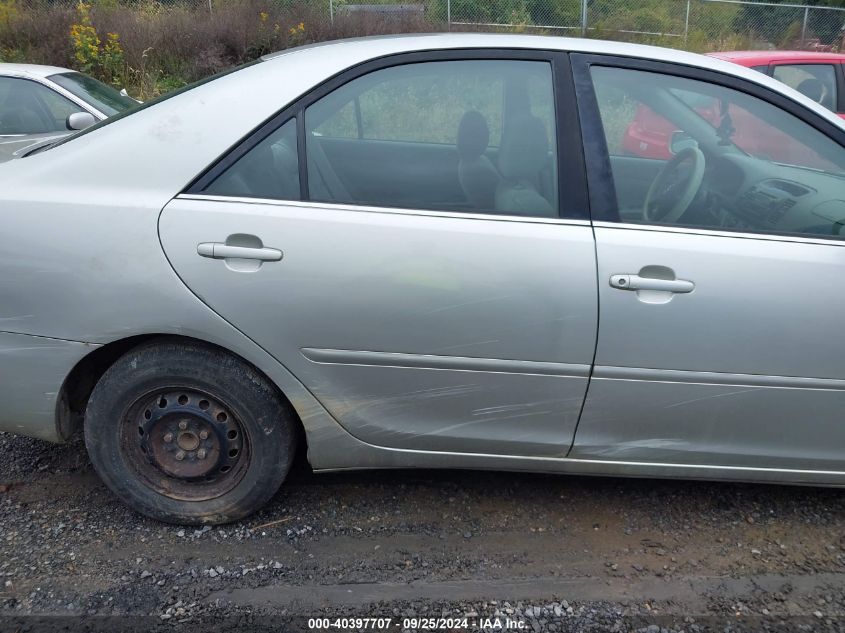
(720,280)
(427,289)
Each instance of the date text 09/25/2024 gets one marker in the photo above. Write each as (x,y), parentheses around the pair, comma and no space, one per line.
(494,623)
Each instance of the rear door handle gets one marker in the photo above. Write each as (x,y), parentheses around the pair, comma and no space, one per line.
(218,250)
(635,282)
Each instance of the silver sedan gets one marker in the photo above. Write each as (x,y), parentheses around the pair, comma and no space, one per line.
(44,103)
(433,251)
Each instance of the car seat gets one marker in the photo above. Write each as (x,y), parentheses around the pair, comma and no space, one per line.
(524,152)
(476,173)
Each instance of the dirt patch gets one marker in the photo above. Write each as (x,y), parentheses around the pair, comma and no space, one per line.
(618,553)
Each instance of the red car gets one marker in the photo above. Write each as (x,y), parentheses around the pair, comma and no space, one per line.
(818,76)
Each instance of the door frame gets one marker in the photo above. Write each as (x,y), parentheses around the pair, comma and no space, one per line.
(603,203)
(572,180)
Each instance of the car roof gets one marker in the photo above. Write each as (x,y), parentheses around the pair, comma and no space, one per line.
(753,58)
(381,45)
(32,70)
(387,44)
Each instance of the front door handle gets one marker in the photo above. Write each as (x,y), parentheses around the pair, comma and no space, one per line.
(218,250)
(635,282)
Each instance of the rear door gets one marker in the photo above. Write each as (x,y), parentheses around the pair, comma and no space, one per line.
(398,242)
(721,304)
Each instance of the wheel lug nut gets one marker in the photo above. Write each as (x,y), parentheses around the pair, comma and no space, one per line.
(180,455)
(168,437)
(203,435)
(183,425)
(201,453)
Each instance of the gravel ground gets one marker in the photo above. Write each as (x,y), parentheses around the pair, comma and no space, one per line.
(542,553)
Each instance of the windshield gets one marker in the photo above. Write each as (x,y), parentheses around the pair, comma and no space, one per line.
(105,98)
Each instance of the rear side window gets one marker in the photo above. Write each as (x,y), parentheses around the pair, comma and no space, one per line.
(816,81)
(470,136)
(268,170)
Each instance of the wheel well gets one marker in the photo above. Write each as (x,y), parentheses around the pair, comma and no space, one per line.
(80,382)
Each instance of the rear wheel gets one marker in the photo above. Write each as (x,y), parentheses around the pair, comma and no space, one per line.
(186,433)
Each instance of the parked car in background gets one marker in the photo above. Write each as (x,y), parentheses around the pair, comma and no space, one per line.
(39,103)
(818,76)
(393,250)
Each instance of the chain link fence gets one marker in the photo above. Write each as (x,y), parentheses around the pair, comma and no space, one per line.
(694,24)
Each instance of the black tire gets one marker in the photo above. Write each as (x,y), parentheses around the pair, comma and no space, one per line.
(160,387)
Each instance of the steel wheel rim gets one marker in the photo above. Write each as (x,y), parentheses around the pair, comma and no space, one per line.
(185,444)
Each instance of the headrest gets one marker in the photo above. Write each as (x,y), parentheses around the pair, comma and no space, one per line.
(812,88)
(525,148)
(473,135)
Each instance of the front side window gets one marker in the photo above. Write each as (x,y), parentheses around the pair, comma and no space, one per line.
(469,136)
(692,153)
(815,81)
(27,107)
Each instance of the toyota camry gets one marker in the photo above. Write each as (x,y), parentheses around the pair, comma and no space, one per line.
(432,251)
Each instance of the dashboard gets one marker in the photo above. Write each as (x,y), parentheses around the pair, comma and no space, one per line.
(743,192)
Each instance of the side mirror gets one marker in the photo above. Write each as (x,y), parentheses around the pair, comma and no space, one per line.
(80,120)
(681,141)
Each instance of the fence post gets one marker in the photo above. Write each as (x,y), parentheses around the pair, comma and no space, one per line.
(583,18)
(210,8)
(804,26)
(449,14)
(686,23)
(331,11)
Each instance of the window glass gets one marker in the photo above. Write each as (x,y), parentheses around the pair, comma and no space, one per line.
(268,170)
(103,97)
(344,124)
(816,81)
(60,107)
(454,135)
(27,107)
(761,69)
(696,154)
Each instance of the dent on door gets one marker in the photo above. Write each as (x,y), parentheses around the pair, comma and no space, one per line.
(415,331)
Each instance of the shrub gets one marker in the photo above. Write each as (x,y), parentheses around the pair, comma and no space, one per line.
(85,41)
(151,46)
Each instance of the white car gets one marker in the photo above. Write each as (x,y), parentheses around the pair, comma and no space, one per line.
(47,102)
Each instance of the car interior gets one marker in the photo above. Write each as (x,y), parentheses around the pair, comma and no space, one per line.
(454,167)
(793,187)
(376,141)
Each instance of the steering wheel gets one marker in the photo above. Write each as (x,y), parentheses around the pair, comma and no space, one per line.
(671,193)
